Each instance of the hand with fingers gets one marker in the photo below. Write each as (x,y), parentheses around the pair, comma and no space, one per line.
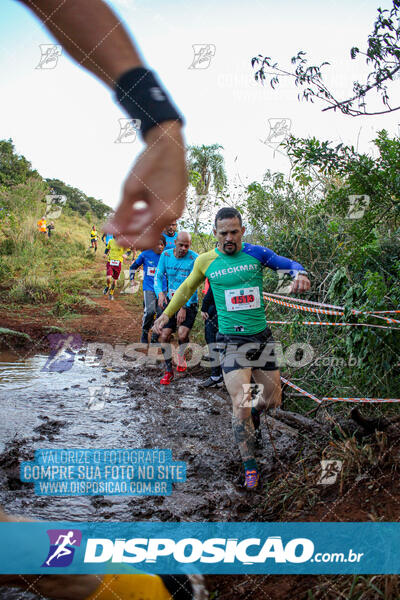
(181,316)
(160,323)
(300,284)
(154,191)
(162,301)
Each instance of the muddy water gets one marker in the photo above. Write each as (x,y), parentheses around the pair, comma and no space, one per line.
(42,409)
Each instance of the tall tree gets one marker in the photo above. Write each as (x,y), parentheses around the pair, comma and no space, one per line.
(208,178)
(14,168)
(382,53)
(78,201)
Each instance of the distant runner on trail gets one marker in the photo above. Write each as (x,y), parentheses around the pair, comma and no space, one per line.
(115,255)
(106,237)
(153,194)
(135,586)
(42,225)
(93,238)
(149,259)
(50,227)
(170,235)
(176,264)
(234,270)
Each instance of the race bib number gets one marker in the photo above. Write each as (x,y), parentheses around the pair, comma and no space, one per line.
(151,271)
(242,298)
(114,263)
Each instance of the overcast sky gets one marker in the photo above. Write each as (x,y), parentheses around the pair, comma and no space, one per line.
(66,122)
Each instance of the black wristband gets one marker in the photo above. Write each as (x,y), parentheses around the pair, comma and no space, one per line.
(140,94)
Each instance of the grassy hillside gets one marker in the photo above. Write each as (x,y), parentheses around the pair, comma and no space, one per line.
(37,269)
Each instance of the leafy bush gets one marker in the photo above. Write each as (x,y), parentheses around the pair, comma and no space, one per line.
(352,262)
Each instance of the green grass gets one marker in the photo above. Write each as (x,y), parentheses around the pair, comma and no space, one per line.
(35,269)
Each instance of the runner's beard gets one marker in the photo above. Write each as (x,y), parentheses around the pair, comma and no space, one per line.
(230,249)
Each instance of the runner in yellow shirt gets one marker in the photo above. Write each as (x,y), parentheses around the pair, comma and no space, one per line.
(93,238)
(115,255)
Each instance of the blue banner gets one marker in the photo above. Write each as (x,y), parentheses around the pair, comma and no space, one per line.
(108,472)
(213,548)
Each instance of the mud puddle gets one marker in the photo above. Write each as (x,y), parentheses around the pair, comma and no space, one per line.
(84,406)
(44,409)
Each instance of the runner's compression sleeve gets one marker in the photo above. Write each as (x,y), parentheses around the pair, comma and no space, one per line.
(187,288)
(131,587)
(272,260)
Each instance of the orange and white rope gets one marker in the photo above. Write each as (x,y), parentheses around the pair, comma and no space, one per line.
(333,323)
(275,298)
(298,304)
(339,399)
(296,387)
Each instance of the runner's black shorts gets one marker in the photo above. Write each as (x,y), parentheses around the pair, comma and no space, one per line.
(191,312)
(255,351)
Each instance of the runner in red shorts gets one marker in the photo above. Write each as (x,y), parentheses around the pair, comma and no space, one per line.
(115,255)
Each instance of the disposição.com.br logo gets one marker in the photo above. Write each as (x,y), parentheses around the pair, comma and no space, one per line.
(62,547)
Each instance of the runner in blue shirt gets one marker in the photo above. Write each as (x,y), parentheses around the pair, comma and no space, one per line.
(149,260)
(170,235)
(176,264)
(106,237)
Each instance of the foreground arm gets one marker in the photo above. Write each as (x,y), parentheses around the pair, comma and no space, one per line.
(93,35)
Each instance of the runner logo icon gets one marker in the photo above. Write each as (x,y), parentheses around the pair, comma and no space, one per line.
(62,547)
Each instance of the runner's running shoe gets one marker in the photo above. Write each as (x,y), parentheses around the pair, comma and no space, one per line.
(181,363)
(168,377)
(105,291)
(252,478)
(210,382)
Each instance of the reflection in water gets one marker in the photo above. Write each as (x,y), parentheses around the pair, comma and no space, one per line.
(83,406)
(19,371)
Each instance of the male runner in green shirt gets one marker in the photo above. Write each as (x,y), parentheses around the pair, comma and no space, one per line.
(234,271)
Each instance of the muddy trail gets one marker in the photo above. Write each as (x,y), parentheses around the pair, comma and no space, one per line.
(50,409)
(99,320)
(138,413)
